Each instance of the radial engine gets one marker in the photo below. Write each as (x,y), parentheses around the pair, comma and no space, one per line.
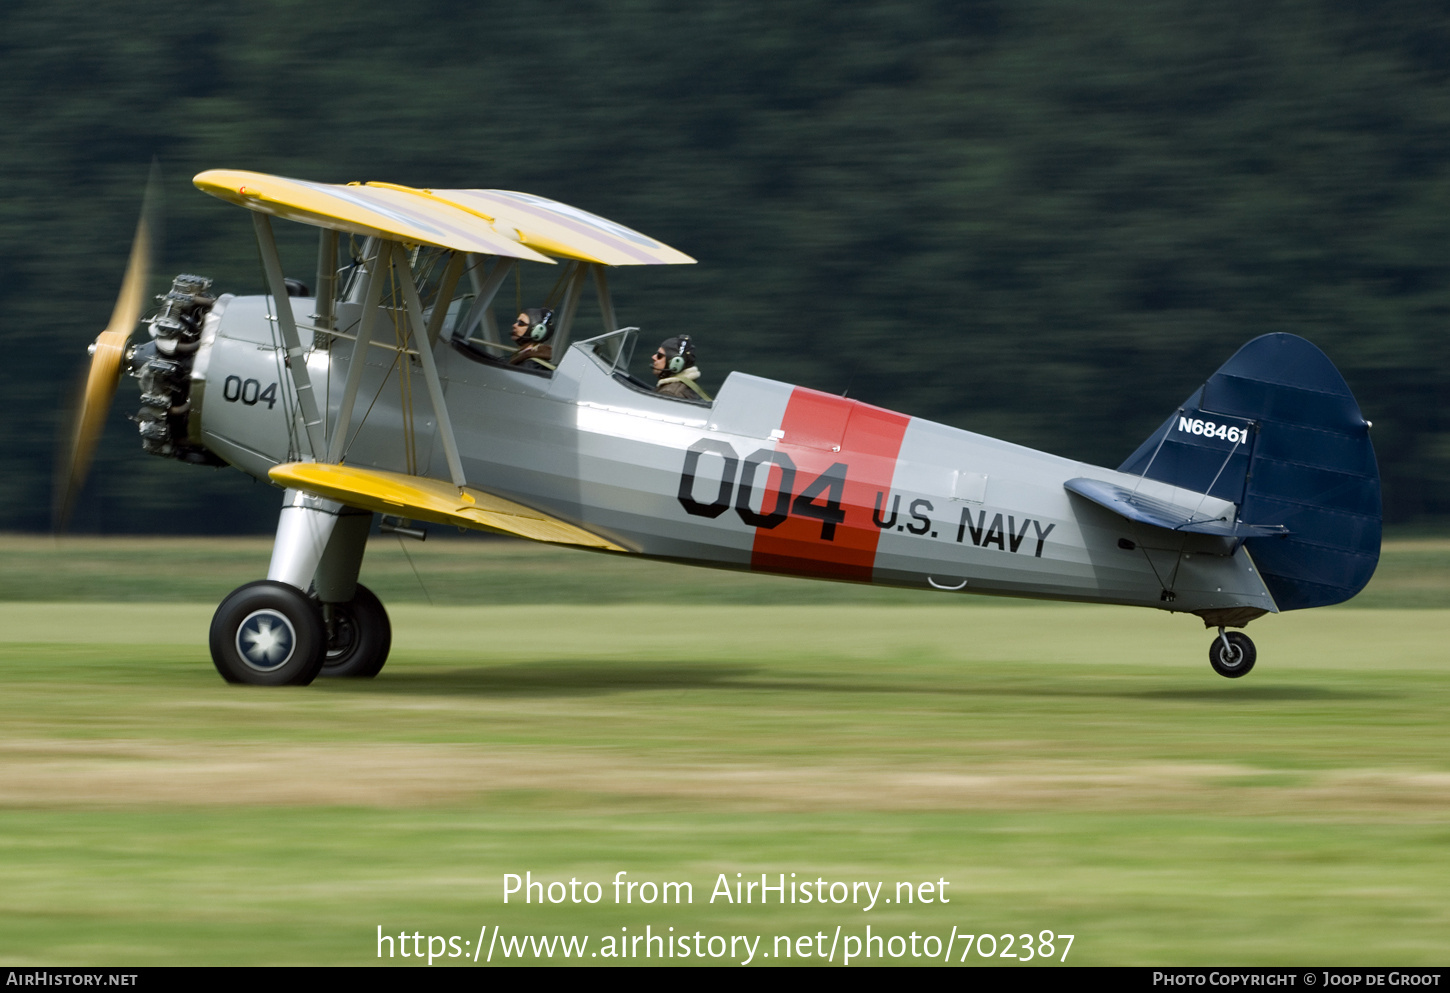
(163,368)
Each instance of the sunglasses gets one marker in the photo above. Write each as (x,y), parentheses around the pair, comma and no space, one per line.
(521,324)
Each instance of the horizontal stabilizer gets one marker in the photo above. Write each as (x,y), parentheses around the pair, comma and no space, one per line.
(1164,514)
(423,499)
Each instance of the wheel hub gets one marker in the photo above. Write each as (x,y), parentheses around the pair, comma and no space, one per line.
(266,640)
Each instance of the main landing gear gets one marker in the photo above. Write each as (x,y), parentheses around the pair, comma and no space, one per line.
(274,633)
(358,636)
(267,634)
(1231,654)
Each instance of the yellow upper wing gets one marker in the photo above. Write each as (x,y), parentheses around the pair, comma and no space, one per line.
(423,499)
(488,222)
(556,228)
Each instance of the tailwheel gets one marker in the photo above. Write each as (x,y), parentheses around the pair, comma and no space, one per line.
(1231,654)
(359,636)
(267,634)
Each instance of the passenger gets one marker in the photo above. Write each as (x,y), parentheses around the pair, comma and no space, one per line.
(674,367)
(531,333)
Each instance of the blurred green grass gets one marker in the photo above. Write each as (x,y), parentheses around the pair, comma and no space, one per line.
(309,886)
(1065,767)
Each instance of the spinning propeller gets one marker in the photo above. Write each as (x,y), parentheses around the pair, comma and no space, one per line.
(107,353)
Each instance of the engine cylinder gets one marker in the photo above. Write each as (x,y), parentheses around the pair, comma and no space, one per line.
(163,368)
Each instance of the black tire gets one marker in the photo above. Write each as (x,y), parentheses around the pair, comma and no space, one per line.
(267,634)
(1235,660)
(359,637)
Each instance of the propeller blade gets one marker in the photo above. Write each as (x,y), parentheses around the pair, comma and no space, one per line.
(107,354)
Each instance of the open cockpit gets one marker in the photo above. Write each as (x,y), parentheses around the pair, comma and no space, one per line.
(472,326)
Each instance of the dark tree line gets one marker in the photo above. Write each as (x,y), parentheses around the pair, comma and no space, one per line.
(1040,220)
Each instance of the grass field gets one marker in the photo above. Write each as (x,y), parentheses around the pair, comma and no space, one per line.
(1064,768)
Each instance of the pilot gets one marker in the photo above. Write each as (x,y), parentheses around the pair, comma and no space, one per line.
(531,333)
(674,367)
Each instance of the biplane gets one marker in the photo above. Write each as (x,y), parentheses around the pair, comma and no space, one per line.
(391,393)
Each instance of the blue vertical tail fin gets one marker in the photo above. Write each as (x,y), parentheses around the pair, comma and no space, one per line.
(1277,431)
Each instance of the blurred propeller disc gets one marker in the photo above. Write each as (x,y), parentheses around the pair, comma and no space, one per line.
(107,354)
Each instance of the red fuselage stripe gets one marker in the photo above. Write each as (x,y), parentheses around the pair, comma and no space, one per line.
(869,440)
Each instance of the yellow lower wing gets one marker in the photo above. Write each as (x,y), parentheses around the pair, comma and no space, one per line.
(423,499)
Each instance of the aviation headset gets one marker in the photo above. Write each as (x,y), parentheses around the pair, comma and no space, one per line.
(679,353)
(541,325)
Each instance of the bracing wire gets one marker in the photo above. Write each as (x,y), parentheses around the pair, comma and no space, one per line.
(426,595)
(364,419)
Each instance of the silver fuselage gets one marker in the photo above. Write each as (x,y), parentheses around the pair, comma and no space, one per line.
(872,496)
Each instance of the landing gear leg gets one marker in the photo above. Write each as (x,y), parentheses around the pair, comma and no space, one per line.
(1231,654)
(270,633)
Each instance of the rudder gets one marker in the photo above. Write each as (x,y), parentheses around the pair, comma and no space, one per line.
(1277,431)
